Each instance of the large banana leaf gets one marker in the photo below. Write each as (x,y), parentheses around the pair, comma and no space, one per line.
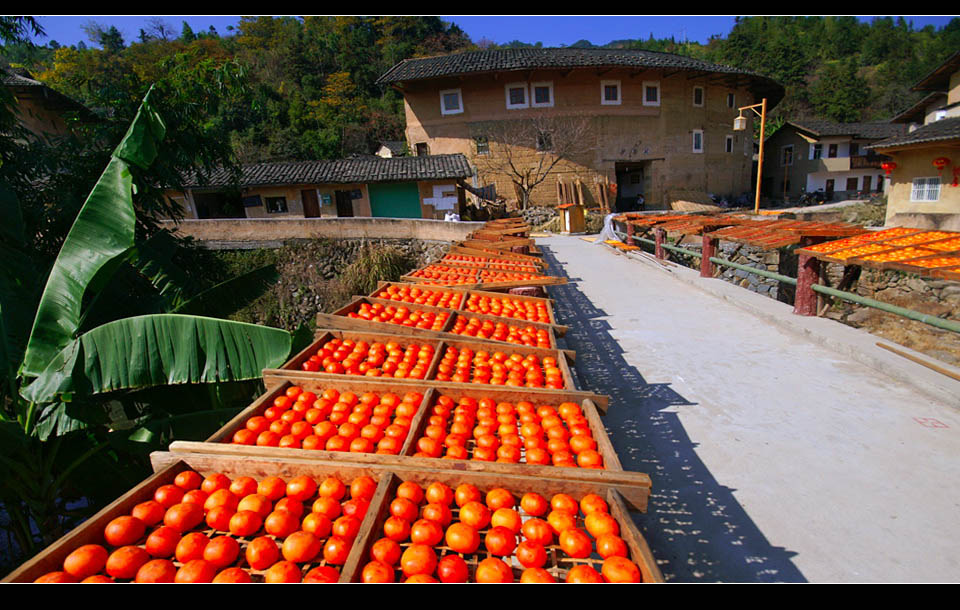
(228,296)
(161,349)
(102,235)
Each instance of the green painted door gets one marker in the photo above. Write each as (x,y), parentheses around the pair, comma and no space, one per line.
(396,200)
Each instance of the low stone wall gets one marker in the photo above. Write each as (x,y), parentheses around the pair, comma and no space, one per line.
(768,260)
(243,233)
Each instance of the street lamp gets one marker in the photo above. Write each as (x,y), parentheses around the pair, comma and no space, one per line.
(740,124)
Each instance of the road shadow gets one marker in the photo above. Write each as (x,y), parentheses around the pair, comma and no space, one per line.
(697,530)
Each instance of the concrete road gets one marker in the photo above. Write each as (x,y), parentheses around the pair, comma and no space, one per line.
(773,458)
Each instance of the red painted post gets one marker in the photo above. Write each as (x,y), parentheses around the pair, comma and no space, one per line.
(658,249)
(630,230)
(808,273)
(707,250)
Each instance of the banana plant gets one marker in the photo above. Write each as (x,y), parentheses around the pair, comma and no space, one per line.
(59,382)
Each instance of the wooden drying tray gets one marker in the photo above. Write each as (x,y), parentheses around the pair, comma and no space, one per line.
(889,238)
(635,486)
(488,244)
(494,253)
(489,261)
(390,476)
(294,366)
(546,280)
(774,234)
(547,303)
(927,266)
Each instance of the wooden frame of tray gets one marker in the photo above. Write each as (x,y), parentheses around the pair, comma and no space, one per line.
(293,367)
(467,293)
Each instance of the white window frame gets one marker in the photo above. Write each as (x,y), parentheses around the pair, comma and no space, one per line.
(533,97)
(603,93)
(443,107)
(813,151)
(526,95)
(697,132)
(925,190)
(783,151)
(703,96)
(651,83)
(728,144)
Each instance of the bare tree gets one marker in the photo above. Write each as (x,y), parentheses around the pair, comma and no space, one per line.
(160,29)
(528,150)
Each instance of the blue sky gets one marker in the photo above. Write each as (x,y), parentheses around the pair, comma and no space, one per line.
(551,30)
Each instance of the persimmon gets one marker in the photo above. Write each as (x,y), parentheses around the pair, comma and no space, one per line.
(386,550)
(439,493)
(462,538)
(218,518)
(404,509)
(493,570)
(332,488)
(86,560)
(592,502)
(560,521)
(500,498)
(336,550)
(98,579)
(195,496)
(262,552)
(564,502)
(232,576)
(294,507)
(531,554)
(418,559)
(125,530)
(126,561)
(534,504)
(162,542)
(168,495)
(537,530)
(322,574)
(452,569)
(245,523)
(273,488)
(191,546)
(222,551)
(283,572)
(424,531)
(589,458)
(466,493)
(301,547)
(156,571)
(346,526)
(583,574)
(500,541)
(222,497)
(618,569)
(536,575)
(188,479)
(281,524)
(475,514)
(215,481)
(363,487)
(196,571)
(51,578)
(396,528)
(256,503)
(150,512)
(600,523)
(508,518)
(440,513)
(609,545)
(575,543)
(243,486)
(327,506)
(356,507)
(377,572)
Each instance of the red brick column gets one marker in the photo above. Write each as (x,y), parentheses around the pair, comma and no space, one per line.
(630,231)
(808,273)
(658,250)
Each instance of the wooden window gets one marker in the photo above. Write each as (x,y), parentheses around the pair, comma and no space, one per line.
(866,183)
(517,96)
(925,189)
(276,205)
(852,183)
(483,145)
(698,96)
(786,155)
(728,144)
(854,149)
(731,100)
(698,140)
(832,151)
(422,150)
(541,94)
(610,93)
(816,151)
(651,93)
(451,102)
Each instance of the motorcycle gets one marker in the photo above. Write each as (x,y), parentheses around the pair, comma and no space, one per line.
(814,198)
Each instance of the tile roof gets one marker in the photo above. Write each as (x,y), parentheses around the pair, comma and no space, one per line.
(876,130)
(363,170)
(944,129)
(505,60)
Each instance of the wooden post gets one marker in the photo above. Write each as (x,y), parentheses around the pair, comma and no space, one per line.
(707,250)
(658,250)
(808,273)
(630,231)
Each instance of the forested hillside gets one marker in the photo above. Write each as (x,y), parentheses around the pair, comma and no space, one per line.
(305,88)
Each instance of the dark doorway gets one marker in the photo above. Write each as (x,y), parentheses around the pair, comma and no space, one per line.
(311,205)
(344,204)
(632,181)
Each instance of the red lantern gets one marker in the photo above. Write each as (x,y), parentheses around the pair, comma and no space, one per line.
(956,176)
(888,166)
(940,163)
